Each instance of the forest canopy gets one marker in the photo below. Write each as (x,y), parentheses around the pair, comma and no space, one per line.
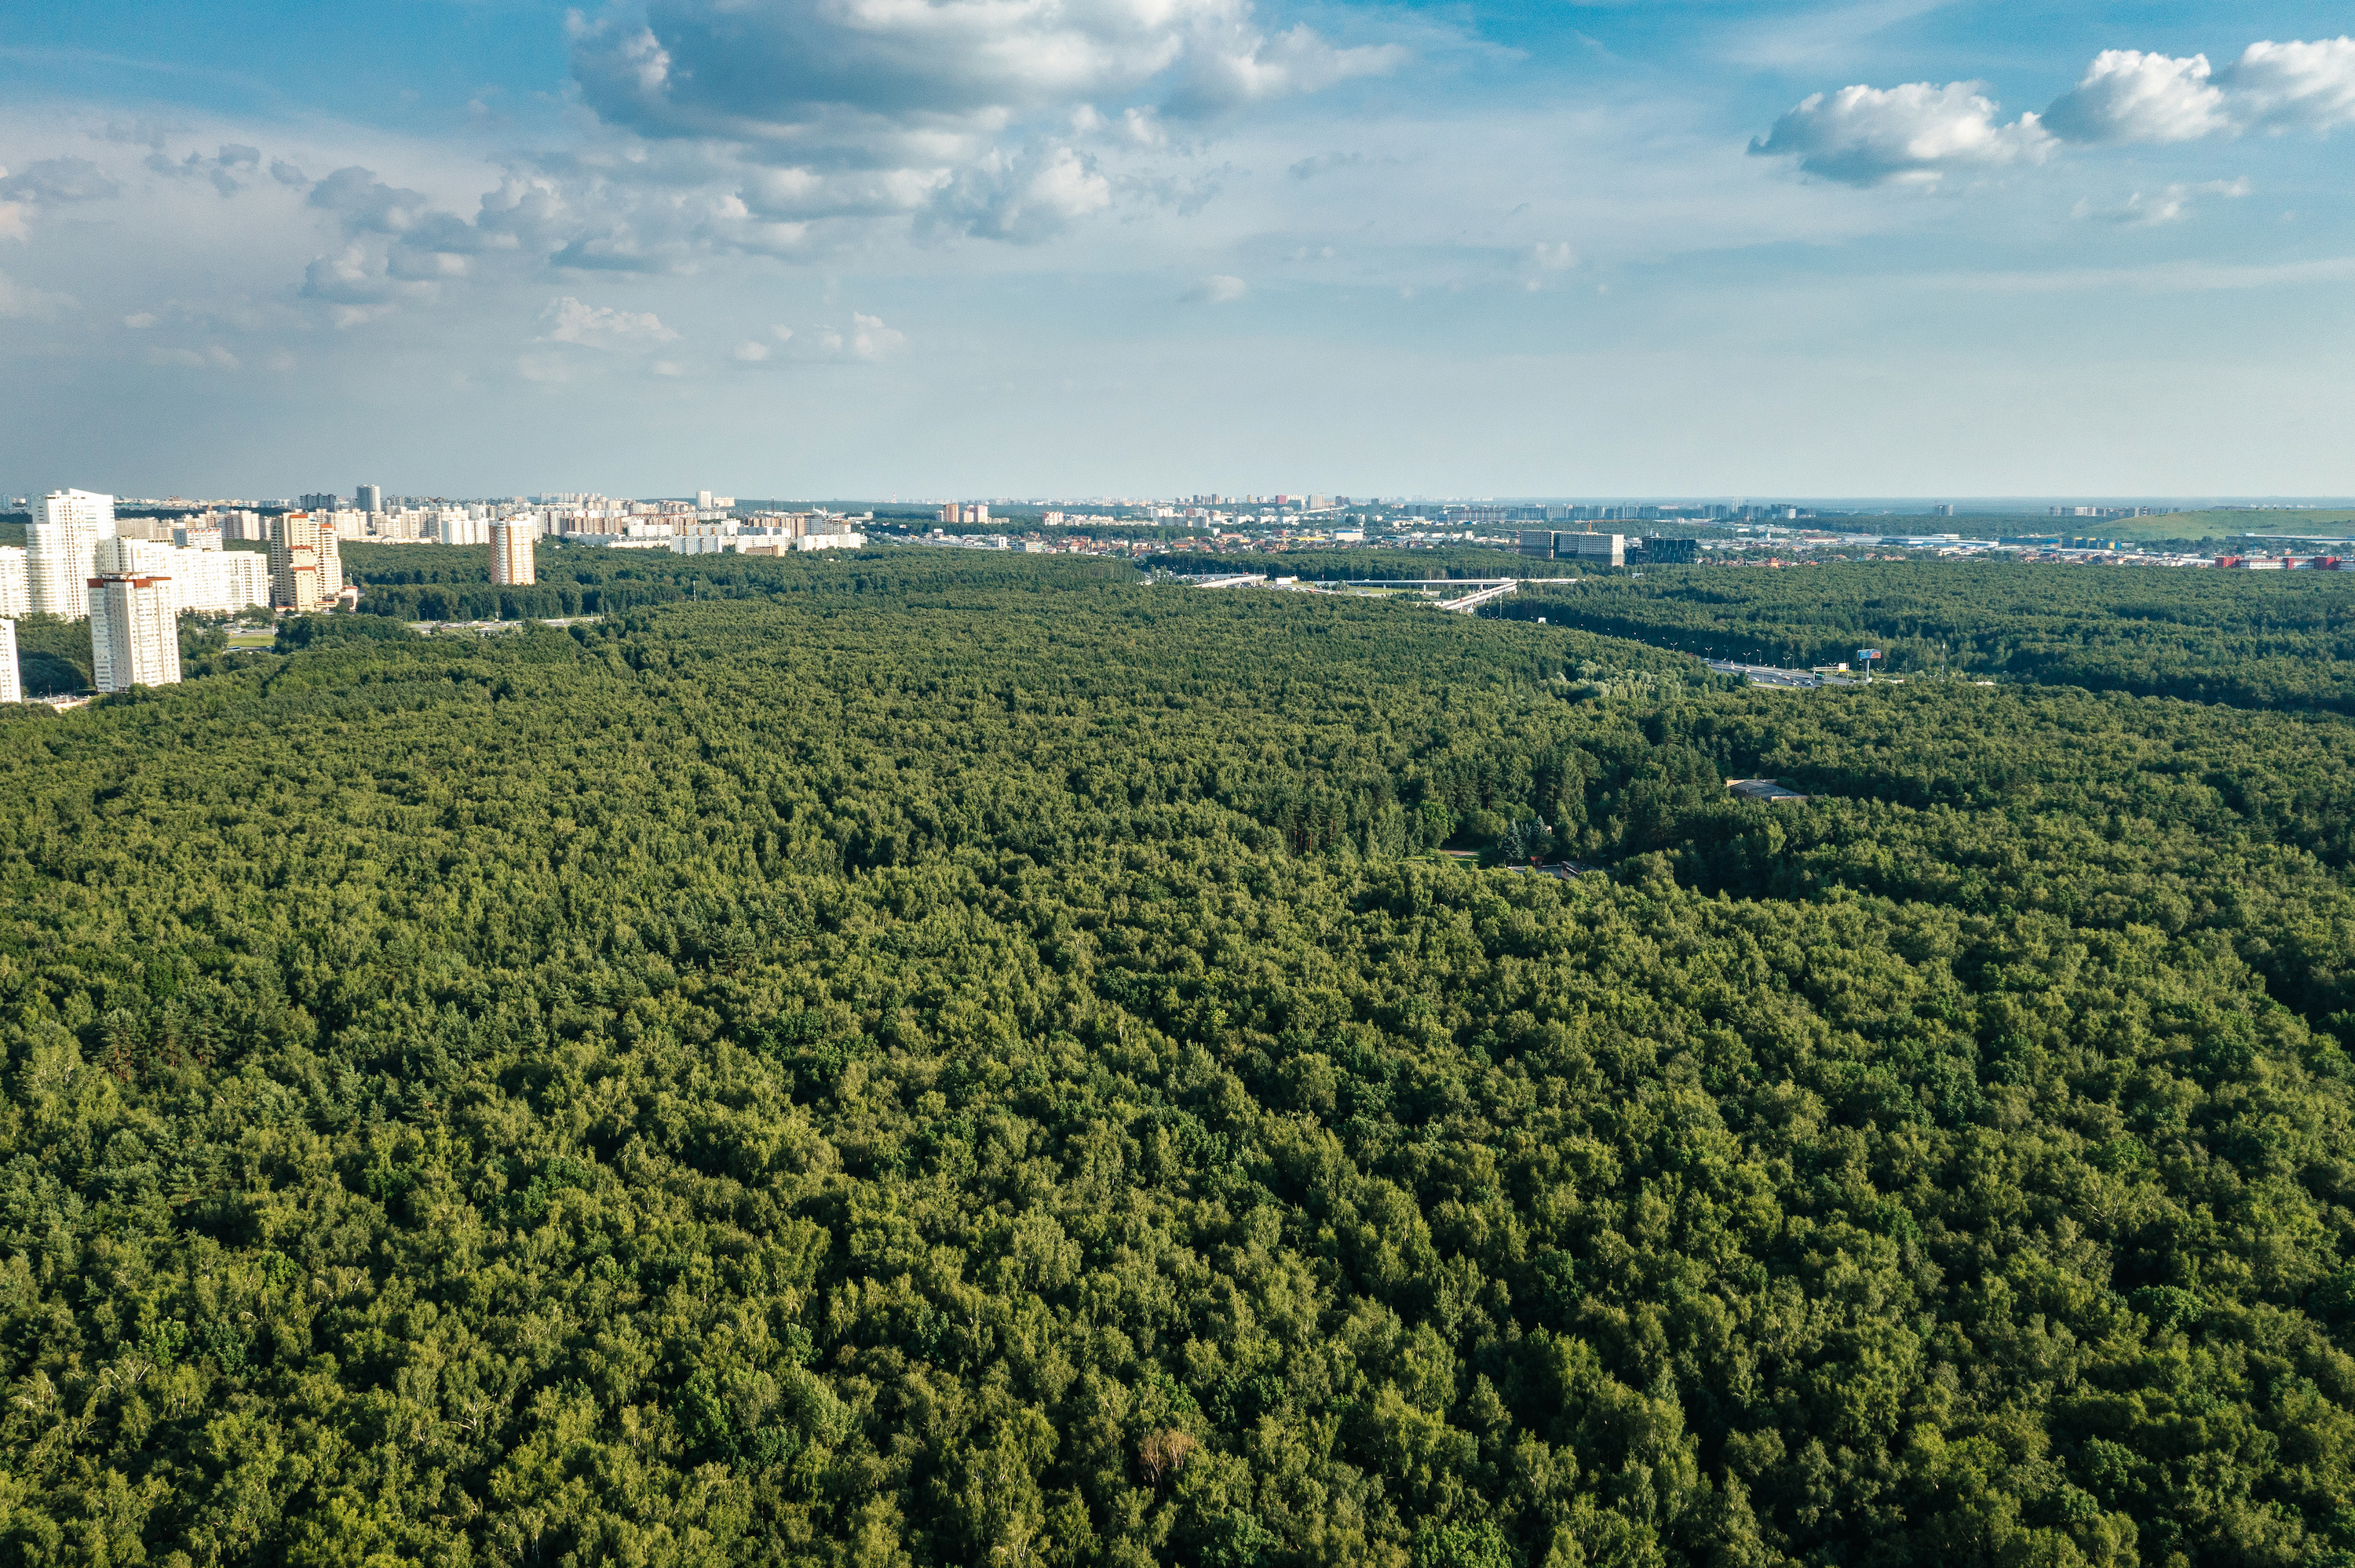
(935,1062)
(2264,640)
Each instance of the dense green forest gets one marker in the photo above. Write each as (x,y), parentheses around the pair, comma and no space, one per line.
(2269,640)
(435,582)
(939,1062)
(1328,565)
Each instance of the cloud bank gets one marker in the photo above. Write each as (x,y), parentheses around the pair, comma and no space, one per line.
(1920,132)
(971,114)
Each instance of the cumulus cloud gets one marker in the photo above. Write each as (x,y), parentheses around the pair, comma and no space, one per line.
(355,288)
(1219,289)
(365,205)
(1027,196)
(1916,133)
(1250,69)
(2128,96)
(2295,86)
(778,70)
(601,326)
(1920,131)
(892,107)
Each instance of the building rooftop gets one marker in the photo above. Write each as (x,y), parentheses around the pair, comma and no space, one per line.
(1770,790)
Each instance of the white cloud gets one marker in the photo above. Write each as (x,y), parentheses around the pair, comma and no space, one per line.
(888,108)
(601,326)
(355,288)
(1219,289)
(751,351)
(140,321)
(1917,133)
(1250,69)
(2171,205)
(2128,96)
(1864,136)
(367,204)
(1027,196)
(2295,86)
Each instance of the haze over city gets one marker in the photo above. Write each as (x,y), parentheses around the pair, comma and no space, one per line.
(814,249)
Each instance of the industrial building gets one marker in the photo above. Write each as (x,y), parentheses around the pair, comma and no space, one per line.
(1595,549)
(1663,552)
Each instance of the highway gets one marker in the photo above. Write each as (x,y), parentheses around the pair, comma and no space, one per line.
(1770,675)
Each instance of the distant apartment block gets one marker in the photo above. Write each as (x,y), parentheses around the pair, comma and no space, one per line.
(957,513)
(368,498)
(511,543)
(15,596)
(207,582)
(134,629)
(60,544)
(295,562)
(12,686)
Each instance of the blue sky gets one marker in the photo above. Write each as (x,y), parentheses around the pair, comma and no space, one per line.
(1024,247)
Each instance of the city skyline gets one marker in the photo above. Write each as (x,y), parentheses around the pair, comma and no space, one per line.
(826,249)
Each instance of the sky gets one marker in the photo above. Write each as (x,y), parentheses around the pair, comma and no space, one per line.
(938,248)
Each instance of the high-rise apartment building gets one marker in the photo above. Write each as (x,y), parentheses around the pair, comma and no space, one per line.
(511,560)
(331,566)
(12,686)
(66,528)
(295,562)
(134,624)
(368,498)
(16,594)
(320,501)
